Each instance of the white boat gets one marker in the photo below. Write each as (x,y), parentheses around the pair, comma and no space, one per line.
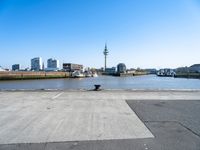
(94,75)
(88,74)
(77,74)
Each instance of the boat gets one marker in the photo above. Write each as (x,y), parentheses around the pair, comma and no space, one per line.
(166,73)
(77,74)
(88,74)
(94,75)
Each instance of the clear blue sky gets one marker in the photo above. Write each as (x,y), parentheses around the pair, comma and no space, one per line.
(140,33)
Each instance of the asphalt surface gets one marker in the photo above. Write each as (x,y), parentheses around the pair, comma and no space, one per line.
(185,113)
(175,125)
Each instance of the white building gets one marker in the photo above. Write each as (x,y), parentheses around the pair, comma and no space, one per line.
(36,64)
(52,65)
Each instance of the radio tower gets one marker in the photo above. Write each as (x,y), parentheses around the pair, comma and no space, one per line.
(105,52)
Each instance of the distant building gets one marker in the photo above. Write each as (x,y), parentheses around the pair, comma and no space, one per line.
(151,71)
(52,65)
(131,70)
(43,66)
(121,68)
(195,68)
(25,69)
(1,69)
(99,71)
(36,64)
(16,67)
(182,69)
(69,67)
(110,70)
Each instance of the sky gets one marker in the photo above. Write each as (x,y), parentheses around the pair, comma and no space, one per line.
(139,33)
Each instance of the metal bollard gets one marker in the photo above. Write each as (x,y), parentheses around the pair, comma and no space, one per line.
(97,87)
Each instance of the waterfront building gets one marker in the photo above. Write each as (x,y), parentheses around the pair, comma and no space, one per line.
(151,71)
(16,67)
(195,68)
(121,68)
(110,70)
(52,65)
(99,71)
(131,70)
(182,70)
(105,52)
(36,64)
(69,67)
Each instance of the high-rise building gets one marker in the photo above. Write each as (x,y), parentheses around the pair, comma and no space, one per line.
(52,64)
(36,64)
(16,67)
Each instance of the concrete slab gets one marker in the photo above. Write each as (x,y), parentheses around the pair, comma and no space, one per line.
(98,120)
(102,95)
(168,136)
(52,120)
(133,95)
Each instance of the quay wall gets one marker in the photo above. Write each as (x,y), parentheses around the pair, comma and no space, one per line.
(132,74)
(187,75)
(138,73)
(22,75)
(125,74)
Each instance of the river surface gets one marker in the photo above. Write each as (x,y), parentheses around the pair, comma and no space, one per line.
(150,82)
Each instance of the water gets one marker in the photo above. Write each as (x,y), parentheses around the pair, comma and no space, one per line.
(151,82)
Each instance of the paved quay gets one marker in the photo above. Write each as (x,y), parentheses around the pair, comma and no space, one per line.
(108,119)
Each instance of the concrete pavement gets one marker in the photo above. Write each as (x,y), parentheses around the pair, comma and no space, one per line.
(35,117)
(90,120)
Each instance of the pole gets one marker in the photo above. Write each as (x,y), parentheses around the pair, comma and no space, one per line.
(105,62)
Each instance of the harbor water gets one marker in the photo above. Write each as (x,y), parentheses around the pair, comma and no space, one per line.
(146,82)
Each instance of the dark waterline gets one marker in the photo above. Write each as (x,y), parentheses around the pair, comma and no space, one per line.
(151,82)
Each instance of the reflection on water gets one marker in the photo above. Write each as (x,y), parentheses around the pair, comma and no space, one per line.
(107,82)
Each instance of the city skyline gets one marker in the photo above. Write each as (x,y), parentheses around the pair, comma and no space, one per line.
(154,34)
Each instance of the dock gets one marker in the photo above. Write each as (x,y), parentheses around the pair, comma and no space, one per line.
(107,119)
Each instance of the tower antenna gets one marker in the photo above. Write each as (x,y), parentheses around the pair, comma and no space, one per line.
(105,52)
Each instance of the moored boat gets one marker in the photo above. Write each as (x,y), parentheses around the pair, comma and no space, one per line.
(77,74)
(94,75)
